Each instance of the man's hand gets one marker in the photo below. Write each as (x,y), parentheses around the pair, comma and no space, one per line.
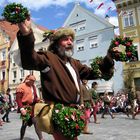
(82,106)
(113,50)
(116,49)
(25,27)
(23,111)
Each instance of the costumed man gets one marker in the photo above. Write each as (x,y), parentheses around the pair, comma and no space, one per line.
(86,102)
(95,98)
(60,73)
(26,98)
(131,99)
(107,109)
(137,107)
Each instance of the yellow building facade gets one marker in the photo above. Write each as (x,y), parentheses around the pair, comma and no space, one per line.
(129,25)
(4,61)
(7,36)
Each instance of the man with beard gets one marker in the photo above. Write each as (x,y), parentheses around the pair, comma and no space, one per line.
(60,73)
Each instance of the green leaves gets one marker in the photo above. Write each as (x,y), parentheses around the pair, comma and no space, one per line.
(129,50)
(28,114)
(68,120)
(15,13)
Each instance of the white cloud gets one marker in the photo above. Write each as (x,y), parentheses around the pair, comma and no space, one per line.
(35,19)
(113,20)
(117,32)
(38,4)
(60,14)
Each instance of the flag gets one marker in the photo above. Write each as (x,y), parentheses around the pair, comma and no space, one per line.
(108,9)
(100,5)
(90,1)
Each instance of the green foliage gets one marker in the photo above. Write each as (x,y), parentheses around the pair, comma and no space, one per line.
(26,117)
(95,65)
(127,44)
(87,105)
(15,13)
(68,120)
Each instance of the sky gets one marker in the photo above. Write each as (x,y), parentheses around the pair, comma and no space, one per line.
(52,13)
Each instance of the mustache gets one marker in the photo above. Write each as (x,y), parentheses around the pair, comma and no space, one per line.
(69,47)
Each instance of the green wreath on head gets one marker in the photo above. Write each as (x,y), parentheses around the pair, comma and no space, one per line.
(126,46)
(15,13)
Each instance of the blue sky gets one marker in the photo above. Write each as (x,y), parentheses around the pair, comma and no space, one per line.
(52,13)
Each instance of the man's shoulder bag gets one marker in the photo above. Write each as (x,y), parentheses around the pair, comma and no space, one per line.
(43,115)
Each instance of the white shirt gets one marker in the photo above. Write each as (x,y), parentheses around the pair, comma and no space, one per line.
(73,73)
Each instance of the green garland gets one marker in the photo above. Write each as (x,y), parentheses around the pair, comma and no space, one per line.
(68,120)
(127,47)
(15,13)
(95,65)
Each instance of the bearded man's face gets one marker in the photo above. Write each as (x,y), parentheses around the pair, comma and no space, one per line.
(66,46)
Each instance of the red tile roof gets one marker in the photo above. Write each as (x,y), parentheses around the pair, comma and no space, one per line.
(42,28)
(9,29)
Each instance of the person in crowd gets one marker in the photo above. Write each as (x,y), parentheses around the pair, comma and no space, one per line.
(131,99)
(7,105)
(123,104)
(137,107)
(26,98)
(95,97)
(60,73)
(86,102)
(107,108)
(1,107)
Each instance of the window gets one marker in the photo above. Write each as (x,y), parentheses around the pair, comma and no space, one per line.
(93,42)
(14,74)
(78,26)
(21,73)
(3,55)
(80,44)
(128,19)
(81,27)
(137,82)
(80,48)
(93,45)
(3,75)
(12,60)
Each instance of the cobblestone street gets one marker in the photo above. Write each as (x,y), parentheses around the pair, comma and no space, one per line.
(120,128)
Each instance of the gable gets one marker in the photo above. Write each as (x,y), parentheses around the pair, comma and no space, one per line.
(92,22)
